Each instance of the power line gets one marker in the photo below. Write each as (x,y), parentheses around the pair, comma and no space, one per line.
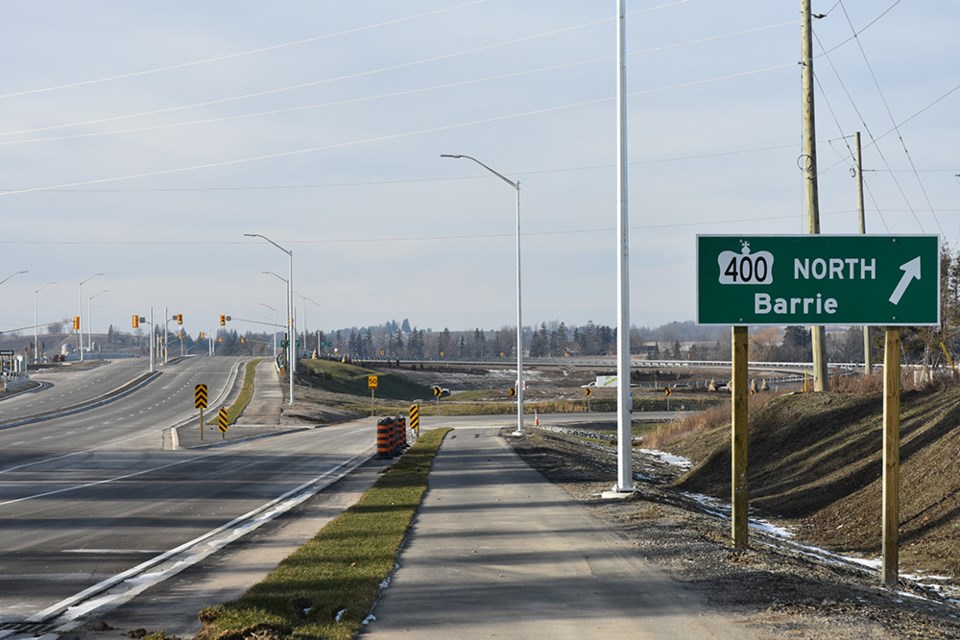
(856,33)
(893,121)
(444,238)
(381,138)
(314,83)
(344,102)
(866,128)
(368,183)
(239,54)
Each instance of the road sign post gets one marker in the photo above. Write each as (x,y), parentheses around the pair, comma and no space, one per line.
(415,420)
(817,280)
(200,402)
(372,383)
(437,392)
(223,420)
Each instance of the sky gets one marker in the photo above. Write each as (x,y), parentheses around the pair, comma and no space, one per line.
(142,140)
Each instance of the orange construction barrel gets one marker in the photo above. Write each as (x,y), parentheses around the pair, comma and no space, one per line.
(385,428)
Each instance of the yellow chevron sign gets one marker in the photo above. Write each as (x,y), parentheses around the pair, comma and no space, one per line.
(200,396)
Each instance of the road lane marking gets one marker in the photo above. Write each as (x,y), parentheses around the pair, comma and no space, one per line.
(132,582)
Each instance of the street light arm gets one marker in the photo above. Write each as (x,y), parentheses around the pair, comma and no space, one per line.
(82,282)
(15,273)
(279,277)
(257,235)
(514,184)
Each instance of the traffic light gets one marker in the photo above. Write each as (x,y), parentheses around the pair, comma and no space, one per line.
(180,334)
(220,339)
(243,340)
(76,323)
(136,321)
(223,320)
(179,318)
(202,335)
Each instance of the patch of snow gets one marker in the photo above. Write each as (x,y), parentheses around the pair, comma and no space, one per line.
(668,458)
(370,618)
(339,615)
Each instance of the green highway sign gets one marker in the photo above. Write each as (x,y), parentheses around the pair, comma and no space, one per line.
(818,280)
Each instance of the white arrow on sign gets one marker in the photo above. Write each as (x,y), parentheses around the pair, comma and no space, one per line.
(910,270)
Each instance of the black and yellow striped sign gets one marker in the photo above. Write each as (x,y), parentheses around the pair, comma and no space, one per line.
(200,396)
(222,419)
(437,391)
(588,391)
(415,417)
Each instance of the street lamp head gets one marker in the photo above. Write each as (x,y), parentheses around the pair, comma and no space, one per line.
(450,155)
(15,273)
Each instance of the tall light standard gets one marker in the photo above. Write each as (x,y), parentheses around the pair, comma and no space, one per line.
(36,331)
(285,281)
(90,318)
(15,273)
(264,304)
(291,335)
(516,185)
(80,313)
(305,300)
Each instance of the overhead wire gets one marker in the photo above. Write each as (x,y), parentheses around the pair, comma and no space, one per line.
(392,94)
(380,138)
(856,33)
(408,238)
(350,77)
(867,129)
(850,152)
(368,183)
(893,121)
(238,54)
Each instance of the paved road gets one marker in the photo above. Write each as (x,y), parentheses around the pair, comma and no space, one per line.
(499,552)
(70,385)
(87,497)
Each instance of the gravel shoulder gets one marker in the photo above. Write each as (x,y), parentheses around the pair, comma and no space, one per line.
(777,589)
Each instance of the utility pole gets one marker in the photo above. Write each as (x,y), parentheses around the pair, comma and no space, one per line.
(820,380)
(867,363)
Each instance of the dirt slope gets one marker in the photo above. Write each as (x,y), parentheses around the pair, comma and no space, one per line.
(815,460)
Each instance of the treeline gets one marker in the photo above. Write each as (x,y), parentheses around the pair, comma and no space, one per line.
(932,346)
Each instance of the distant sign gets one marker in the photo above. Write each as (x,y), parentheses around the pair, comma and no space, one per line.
(818,280)
(372,382)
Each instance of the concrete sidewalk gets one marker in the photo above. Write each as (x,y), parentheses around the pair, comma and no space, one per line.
(498,551)
(267,401)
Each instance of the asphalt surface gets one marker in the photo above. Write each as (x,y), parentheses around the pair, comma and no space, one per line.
(497,551)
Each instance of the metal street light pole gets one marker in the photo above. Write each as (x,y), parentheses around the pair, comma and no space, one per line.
(36,330)
(90,318)
(305,300)
(516,185)
(624,397)
(15,273)
(274,327)
(291,341)
(80,313)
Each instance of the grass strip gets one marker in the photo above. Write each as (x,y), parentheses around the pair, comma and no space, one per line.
(338,573)
(243,398)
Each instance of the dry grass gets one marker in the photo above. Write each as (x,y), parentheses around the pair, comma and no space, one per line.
(670,433)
